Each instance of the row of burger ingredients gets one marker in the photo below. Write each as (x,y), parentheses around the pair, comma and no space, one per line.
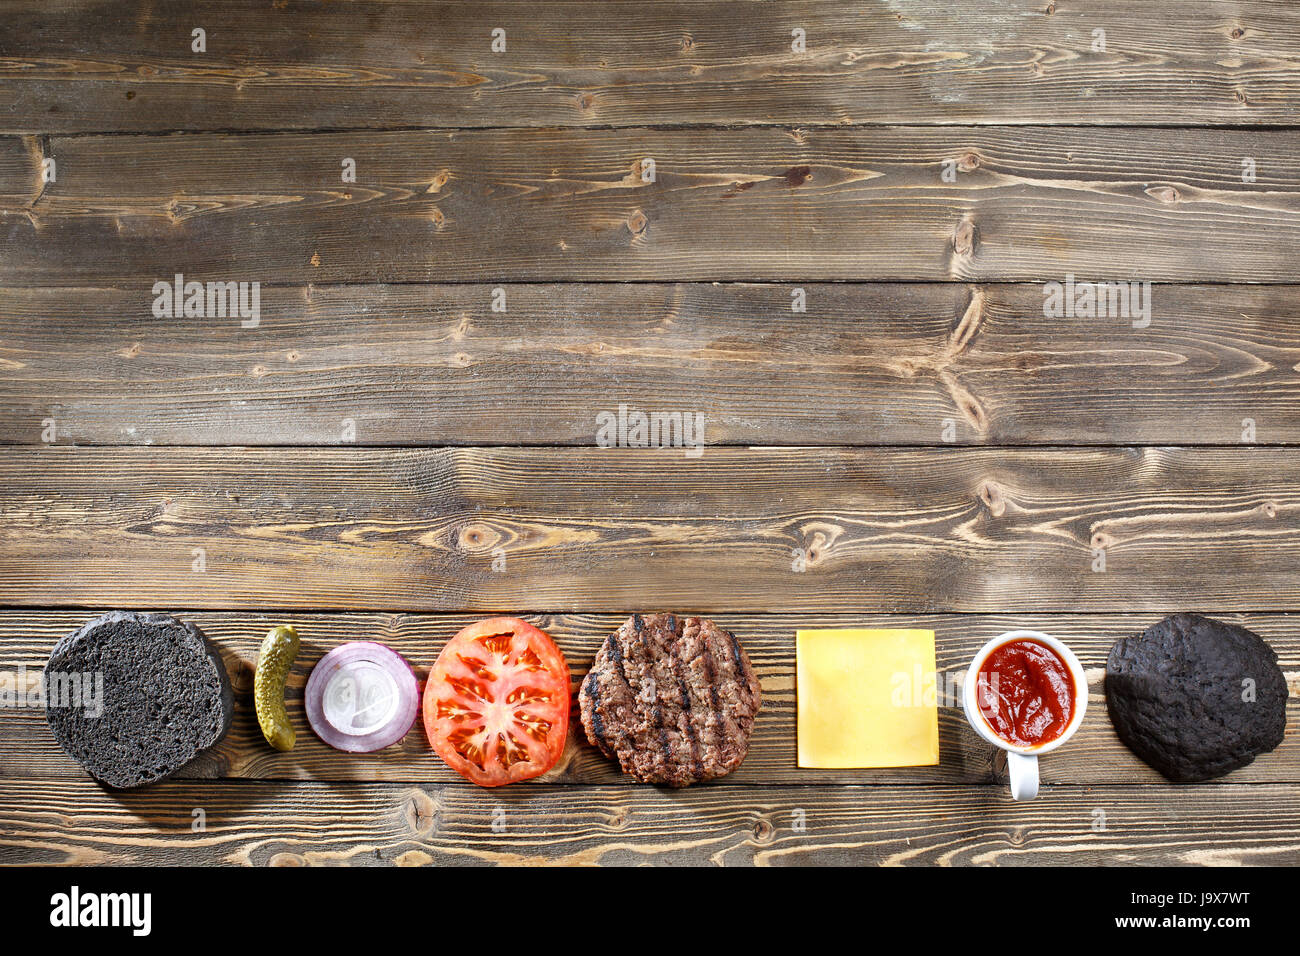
(671,698)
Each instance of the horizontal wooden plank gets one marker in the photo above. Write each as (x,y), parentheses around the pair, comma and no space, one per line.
(429,365)
(838,204)
(367,824)
(1094,756)
(590,529)
(77,66)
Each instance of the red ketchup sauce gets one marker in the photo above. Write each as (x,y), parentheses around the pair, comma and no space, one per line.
(1026,693)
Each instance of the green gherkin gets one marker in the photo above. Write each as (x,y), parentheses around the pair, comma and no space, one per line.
(276,656)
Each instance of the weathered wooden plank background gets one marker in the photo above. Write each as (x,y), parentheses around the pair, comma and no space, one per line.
(371,64)
(822,529)
(842,204)
(363,823)
(355,461)
(889,364)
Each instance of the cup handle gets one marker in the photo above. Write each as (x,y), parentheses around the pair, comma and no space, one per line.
(1023,770)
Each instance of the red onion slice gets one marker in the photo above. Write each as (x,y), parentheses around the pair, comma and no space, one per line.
(361,697)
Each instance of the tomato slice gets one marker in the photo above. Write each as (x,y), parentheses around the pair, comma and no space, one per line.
(496,706)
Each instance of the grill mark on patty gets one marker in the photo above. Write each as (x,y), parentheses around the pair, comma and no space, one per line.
(656,675)
(704,693)
(684,692)
(590,685)
(697,758)
(732,672)
(736,658)
(710,666)
(616,655)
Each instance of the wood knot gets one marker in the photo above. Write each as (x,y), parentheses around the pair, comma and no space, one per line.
(1101,540)
(437,217)
(737,188)
(688,43)
(797,175)
(1164,194)
(965,238)
(967,403)
(1237,33)
(286,859)
(1051,8)
(586,101)
(478,538)
(243,678)
(637,223)
(1269,508)
(968,162)
(818,539)
(763,831)
(998,765)
(969,324)
(991,495)
(419,811)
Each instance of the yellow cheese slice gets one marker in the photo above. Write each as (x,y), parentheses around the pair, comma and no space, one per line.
(867,698)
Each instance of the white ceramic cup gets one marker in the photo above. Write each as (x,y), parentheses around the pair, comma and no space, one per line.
(1022,762)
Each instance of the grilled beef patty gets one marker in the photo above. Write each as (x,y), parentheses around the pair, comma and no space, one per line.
(671,699)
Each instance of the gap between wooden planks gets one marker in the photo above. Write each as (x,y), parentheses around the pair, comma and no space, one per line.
(1095,756)
(295,824)
(864,364)
(1035,203)
(370,64)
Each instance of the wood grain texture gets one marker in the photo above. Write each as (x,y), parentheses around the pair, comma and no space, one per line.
(370,64)
(949,529)
(367,824)
(751,204)
(1094,755)
(866,364)
(524,170)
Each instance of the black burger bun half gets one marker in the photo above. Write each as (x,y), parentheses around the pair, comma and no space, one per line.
(1196,698)
(153,695)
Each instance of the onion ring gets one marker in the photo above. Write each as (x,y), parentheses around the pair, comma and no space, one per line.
(361,697)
